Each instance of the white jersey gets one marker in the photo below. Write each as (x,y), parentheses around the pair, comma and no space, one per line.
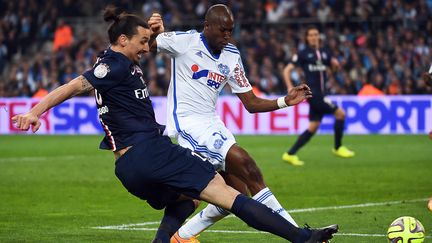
(198,76)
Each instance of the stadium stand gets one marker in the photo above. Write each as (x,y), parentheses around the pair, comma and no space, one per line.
(382,43)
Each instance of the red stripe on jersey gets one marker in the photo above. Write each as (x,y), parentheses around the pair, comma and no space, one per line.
(109,135)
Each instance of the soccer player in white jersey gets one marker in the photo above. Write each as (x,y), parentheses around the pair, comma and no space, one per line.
(202,63)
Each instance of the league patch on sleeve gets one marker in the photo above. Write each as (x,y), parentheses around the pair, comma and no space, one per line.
(167,34)
(101,70)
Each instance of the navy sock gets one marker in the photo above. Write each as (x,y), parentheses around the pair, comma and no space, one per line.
(174,216)
(262,218)
(338,132)
(302,140)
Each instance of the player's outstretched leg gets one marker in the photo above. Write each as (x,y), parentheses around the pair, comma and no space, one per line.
(241,165)
(174,216)
(243,174)
(258,215)
(211,214)
(339,149)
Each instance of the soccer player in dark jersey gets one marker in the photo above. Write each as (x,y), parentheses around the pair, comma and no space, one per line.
(314,60)
(148,164)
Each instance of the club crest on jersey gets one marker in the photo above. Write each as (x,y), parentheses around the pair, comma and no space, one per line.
(214,79)
(101,70)
(224,69)
(324,55)
(218,143)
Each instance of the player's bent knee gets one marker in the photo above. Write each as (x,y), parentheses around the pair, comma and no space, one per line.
(313,127)
(219,193)
(196,203)
(340,114)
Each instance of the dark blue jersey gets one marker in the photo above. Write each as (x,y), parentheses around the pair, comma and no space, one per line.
(313,63)
(123,102)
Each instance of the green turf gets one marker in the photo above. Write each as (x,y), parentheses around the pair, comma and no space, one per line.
(56,188)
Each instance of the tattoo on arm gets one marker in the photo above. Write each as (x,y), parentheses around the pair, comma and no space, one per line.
(86,86)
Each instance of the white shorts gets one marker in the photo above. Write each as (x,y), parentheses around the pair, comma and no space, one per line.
(207,136)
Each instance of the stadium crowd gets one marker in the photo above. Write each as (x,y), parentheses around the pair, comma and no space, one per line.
(385,43)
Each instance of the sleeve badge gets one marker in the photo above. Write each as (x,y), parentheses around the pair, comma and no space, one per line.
(101,70)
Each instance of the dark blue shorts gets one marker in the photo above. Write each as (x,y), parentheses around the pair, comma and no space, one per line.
(320,106)
(159,171)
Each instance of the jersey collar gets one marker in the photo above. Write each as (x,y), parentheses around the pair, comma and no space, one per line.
(203,39)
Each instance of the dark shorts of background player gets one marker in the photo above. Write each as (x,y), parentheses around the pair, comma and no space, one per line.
(158,171)
(318,107)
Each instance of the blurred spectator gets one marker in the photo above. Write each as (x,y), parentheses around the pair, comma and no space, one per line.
(40,91)
(369,90)
(381,44)
(3,53)
(2,89)
(63,36)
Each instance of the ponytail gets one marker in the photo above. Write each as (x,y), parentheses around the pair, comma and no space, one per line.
(122,23)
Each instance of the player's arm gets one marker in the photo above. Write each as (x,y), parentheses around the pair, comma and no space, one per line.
(156,26)
(335,65)
(287,75)
(427,77)
(76,86)
(255,104)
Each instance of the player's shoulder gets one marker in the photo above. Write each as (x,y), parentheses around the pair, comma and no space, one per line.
(111,64)
(303,54)
(304,51)
(181,34)
(231,49)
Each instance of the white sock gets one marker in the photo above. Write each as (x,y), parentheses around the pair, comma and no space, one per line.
(202,220)
(265,196)
(211,214)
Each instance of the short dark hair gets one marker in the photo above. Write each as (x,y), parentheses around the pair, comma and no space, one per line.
(124,23)
(309,28)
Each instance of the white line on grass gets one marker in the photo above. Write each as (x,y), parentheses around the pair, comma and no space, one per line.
(231,231)
(363,205)
(134,226)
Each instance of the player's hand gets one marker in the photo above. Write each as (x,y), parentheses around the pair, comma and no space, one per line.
(427,77)
(23,122)
(298,94)
(156,24)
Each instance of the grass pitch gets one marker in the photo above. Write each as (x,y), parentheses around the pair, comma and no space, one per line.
(61,188)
